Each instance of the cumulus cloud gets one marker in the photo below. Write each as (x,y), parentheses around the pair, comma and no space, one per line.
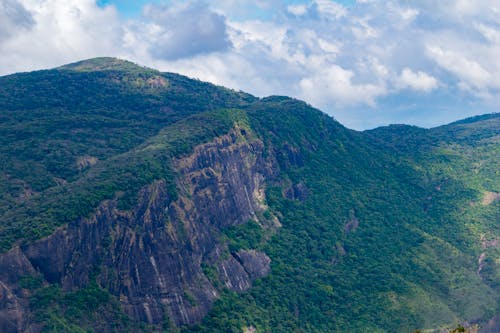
(318,9)
(491,33)
(13,17)
(457,11)
(470,72)
(186,30)
(61,31)
(335,83)
(420,81)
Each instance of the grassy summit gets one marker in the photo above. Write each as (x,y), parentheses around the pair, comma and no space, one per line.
(104,64)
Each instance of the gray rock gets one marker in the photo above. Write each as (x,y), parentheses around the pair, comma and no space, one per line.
(151,256)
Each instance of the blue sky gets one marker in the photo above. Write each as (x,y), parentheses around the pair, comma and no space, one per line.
(133,8)
(127,8)
(365,62)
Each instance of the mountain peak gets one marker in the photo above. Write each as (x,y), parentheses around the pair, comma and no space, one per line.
(103,64)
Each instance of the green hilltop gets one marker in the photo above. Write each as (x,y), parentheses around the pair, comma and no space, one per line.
(388,230)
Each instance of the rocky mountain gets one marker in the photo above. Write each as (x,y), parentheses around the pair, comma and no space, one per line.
(140,201)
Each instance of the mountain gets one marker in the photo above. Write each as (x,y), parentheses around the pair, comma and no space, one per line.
(135,200)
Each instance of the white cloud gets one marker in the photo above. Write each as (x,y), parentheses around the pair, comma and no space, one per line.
(62,31)
(491,33)
(330,9)
(329,47)
(409,14)
(470,72)
(239,9)
(297,10)
(420,81)
(458,11)
(13,17)
(362,30)
(334,83)
(186,30)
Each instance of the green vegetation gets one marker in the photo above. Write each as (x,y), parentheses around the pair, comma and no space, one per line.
(73,137)
(121,177)
(86,132)
(85,310)
(55,124)
(246,236)
(412,261)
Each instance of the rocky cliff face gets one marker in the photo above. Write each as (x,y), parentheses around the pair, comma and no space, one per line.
(151,256)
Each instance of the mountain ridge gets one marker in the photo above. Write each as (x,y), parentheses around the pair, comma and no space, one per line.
(104,63)
(262,196)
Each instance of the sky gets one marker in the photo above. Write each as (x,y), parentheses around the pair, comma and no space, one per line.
(367,63)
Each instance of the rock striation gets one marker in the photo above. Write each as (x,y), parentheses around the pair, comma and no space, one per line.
(151,256)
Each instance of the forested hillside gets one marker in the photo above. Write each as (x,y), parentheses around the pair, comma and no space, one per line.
(135,200)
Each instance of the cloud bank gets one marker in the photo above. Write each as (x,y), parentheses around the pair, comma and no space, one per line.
(186,30)
(371,63)
(13,17)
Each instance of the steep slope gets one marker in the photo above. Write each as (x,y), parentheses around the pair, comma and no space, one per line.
(379,243)
(464,155)
(55,124)
(187,205)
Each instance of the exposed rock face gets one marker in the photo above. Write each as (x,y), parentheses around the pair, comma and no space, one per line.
(298,192)
(492,326)
(241,268)
(489,198)
(225,179)
(352,224)
(151,256)
(84,162)
(292,155)
(255,263)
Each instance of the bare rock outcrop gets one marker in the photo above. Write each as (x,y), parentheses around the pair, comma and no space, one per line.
(242,267)
(151,257)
